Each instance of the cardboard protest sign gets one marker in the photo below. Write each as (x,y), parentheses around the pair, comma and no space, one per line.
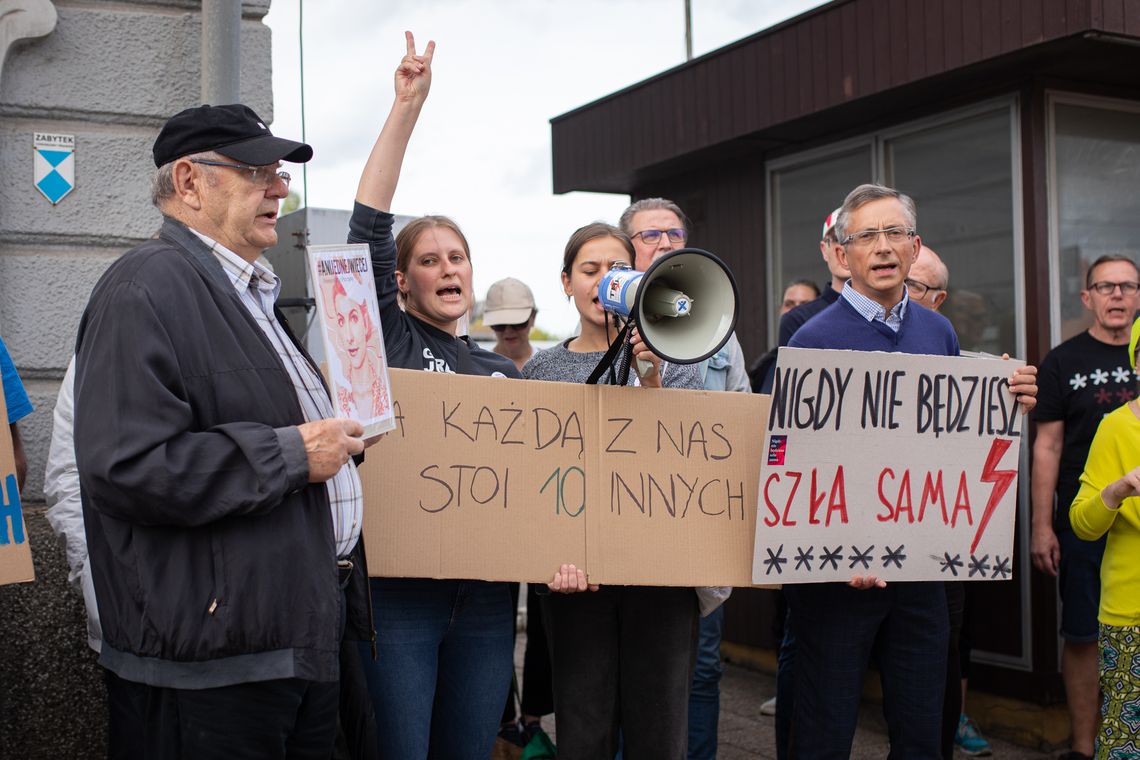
(15,554)
(506,479)
(349,316)
(893,465)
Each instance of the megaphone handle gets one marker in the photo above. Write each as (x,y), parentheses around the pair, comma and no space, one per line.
(644,367)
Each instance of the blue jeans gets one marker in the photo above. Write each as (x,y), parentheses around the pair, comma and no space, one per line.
(704,697)
(443,667)
(1079,585)
(837,628)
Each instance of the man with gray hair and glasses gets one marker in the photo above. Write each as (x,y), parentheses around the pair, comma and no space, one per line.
(221,505)
(907,625)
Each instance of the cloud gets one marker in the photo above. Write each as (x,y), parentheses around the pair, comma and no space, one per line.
(481,152)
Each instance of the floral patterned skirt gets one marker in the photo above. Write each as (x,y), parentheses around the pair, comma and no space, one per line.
(1119,737)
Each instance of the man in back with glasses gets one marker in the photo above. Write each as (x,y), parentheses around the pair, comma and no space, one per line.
(1081,380)
(928,280)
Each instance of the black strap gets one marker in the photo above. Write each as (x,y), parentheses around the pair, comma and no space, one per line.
(607,361)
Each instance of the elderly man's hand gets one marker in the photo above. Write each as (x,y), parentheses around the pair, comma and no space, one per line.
(329,445)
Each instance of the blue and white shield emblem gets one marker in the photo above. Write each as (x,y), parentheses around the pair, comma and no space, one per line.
(54,174)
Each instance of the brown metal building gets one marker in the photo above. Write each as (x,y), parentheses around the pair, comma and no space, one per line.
(1015,125)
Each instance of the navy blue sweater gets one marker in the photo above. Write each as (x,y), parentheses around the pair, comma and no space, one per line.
(840,326)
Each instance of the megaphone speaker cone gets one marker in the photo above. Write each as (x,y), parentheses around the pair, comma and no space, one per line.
(692,283)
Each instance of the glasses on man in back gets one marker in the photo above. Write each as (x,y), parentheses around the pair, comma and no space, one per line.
(919,289)
(261,176)
(652,237)
(1106,288)
(867,238)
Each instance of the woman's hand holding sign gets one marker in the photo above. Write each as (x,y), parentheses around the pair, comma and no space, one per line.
(569,579)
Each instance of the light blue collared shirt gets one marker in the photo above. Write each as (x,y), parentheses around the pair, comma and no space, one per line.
(874,312)
(257,287)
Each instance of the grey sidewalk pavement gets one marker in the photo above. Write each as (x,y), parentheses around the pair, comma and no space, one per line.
(745,733)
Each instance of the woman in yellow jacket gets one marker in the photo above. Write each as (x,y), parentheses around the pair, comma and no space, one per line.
(1108,503)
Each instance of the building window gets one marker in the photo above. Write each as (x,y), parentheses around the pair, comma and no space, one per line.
(802,195)
(960,175)
(960,169)
(1095,175)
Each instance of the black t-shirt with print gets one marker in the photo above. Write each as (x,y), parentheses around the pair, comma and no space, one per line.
(1079,382)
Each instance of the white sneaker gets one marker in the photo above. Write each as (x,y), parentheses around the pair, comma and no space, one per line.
(768,707)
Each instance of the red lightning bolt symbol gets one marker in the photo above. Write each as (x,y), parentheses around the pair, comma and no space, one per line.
(1002,479)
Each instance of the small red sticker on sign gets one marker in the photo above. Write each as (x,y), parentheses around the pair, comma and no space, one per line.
(777,446)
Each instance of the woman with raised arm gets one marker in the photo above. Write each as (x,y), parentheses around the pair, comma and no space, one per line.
(444,646)
(622,655)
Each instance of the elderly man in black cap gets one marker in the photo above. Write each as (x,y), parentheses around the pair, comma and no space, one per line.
(220,497)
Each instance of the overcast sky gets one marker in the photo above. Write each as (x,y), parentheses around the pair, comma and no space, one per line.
(481,151)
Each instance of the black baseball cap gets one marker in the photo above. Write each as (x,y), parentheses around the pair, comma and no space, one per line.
(234,131)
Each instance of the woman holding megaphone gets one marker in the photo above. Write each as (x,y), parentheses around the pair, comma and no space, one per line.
(444,647)
(622,655)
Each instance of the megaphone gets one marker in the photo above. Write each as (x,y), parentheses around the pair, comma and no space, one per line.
(684,305)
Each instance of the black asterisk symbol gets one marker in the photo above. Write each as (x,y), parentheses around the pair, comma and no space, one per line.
(831,556)
(979,566)
(1001,567)
(951,563)
(775,561)
(894,556)
(864,558)
(804,558)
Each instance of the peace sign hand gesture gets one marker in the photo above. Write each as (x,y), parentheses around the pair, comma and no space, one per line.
(413,75)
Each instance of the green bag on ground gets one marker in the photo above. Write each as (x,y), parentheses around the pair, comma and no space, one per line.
(539,748)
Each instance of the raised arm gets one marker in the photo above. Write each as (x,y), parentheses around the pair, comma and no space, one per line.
(382,170)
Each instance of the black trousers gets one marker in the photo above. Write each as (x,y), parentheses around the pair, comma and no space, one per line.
(284,719)
(623,659)
(126,718)
(537,690)
(952,699)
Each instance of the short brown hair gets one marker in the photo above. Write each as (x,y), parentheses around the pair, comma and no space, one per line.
(593,231)
(1108,258)
(411,232)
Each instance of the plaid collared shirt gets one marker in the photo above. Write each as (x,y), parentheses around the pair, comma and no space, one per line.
(874,312)
(258,287)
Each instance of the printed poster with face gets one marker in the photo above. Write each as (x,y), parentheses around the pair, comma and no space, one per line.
(349,316)
(899,466)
